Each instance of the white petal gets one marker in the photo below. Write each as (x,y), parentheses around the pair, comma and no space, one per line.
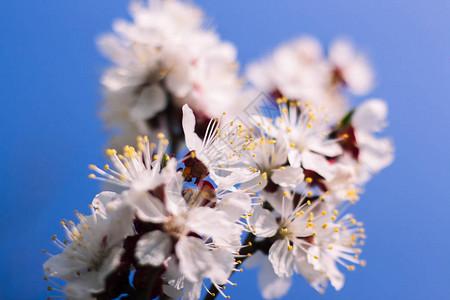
(82,288)
(254,185)
(327,148)
(295,158)
(370,115)
(375,154)
(192,290)
(336,277)
(150,101)
(209,222)
(224,265)
(281,258)
(271,285)
(172,292)
(101,201)
(277,200)
(317,163)
(288,176)
(193,142)
(314,277)
(313,252)
(264,222)
(63,266)
(195,258)
(153,248)
(235,205)
(148,208)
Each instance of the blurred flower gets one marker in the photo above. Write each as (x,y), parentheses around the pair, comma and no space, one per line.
(298,70)
(164,59)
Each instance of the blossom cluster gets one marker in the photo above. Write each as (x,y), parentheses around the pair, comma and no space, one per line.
(163,59)
(212,187)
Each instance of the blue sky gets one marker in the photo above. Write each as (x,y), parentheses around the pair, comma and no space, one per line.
(50,131)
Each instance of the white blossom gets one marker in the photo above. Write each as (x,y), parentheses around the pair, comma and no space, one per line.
(93,248)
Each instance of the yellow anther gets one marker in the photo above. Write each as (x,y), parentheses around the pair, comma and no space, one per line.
(91,175)
(284,194)
(92,167)
(308,179)
(86,227)
(324,212)
(336,230)
(335,212)
(363,263)
(289,248)
(308,202)
(284,230)
(333,218)
(192,154)
(249,254)
(316,257)
(352,221)
(250,243)
(351,268)
(260,182)
(264,175)
(292,145)
(161,135)
(309,125)
(111,152)
(155,157)
(309,193)
(331,247)
(106,167)
(282,168)
(324,225)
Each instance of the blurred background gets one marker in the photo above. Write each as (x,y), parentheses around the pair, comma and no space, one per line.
(50,132)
